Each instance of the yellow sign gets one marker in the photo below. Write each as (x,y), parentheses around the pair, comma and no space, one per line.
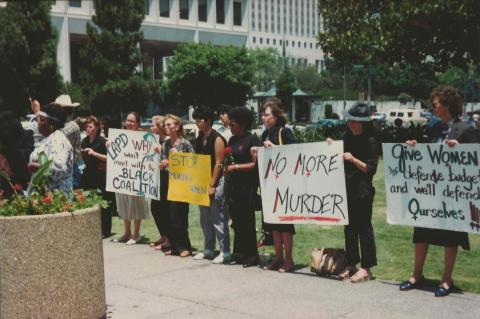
(189,178)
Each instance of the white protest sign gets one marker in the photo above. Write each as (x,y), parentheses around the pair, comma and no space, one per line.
(433,186)
(132,163)
(303,184)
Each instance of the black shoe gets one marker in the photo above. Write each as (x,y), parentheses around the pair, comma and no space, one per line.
(407,285)
(251,261)
(441,291)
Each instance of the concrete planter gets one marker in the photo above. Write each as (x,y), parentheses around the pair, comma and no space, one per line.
(51,266)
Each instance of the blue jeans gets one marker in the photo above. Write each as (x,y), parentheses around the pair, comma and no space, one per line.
(214,222)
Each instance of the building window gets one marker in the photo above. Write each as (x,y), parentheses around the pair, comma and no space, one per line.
(293,43)
(184,9)
(261,40)
(281,42)
(237,13)
(75,3)
(311,45)
(221,11)
(286,43)
(299,44)
(254,40)
(202,10)
(305,45)
(268,41)
(165,8)
(274,42)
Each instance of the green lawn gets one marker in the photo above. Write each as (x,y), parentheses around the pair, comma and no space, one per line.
(394,245)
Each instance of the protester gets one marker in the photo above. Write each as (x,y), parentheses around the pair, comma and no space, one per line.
(159,208)
(360,160)
(72,132)
(213,218)
(178,211)
(225,129)
(94,153)
(130,206)
(276,133)
(12,159)
(51,119)
(241,185)
(448,106)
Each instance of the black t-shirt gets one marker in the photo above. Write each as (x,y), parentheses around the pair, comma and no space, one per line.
(209,147)
(95,170)
(274,133)
(363,147)
(241,146)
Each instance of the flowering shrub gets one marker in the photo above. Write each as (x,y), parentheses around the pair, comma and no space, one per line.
(38,200)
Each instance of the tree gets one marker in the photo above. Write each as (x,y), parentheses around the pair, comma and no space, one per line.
(403,32)
(286,85)
(203,74)
(266,66)
(111,74)
(28,65)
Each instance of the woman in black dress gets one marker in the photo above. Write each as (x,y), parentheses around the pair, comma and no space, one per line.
(447,104)
(360,159)
(94,153)
(242,184)
(276,133)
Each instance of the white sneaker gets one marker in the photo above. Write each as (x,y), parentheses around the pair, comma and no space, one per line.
(199,256)
(222,258)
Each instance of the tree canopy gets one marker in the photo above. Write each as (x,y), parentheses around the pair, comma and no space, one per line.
(266,63)
(203,74)
(442,32)
(111,74)
(28,64)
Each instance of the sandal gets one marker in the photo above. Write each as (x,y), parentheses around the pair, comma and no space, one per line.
(185,253)
(361,276)
(348,272)
(290,267)
(156,243)
(275,265)
(168,253)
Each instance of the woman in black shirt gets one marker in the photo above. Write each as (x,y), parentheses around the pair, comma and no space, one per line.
(242,184)
(94,152)
(360,160)
(276,133)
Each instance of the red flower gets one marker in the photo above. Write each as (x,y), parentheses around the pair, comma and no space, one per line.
(80,196)
(17,187)
(228,150)
(47,200)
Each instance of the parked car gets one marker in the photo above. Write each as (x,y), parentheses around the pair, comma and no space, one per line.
(404,117)
(380,118)
(328,123)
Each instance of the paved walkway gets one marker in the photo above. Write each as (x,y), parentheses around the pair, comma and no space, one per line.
(142,283)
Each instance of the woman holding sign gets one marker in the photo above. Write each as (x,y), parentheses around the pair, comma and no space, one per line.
(447,104)
(178,211)
(360,159)
(242,185)
(276,133)
(130,206)
(159,208)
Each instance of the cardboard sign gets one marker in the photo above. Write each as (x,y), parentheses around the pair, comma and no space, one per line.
(132,163)
(433,186)
(189,178)
(303,184)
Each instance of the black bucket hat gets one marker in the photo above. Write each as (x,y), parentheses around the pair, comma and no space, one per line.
(358,112)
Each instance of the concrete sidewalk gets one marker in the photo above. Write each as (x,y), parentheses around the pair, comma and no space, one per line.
(143,283)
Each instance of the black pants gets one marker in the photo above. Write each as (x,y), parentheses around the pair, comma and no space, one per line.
(161,216)
(107,213)
(242,213)
(178,233)
(360,229)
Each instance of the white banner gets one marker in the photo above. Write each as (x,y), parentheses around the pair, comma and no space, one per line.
(433,186)
(303,184)
(132,163)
